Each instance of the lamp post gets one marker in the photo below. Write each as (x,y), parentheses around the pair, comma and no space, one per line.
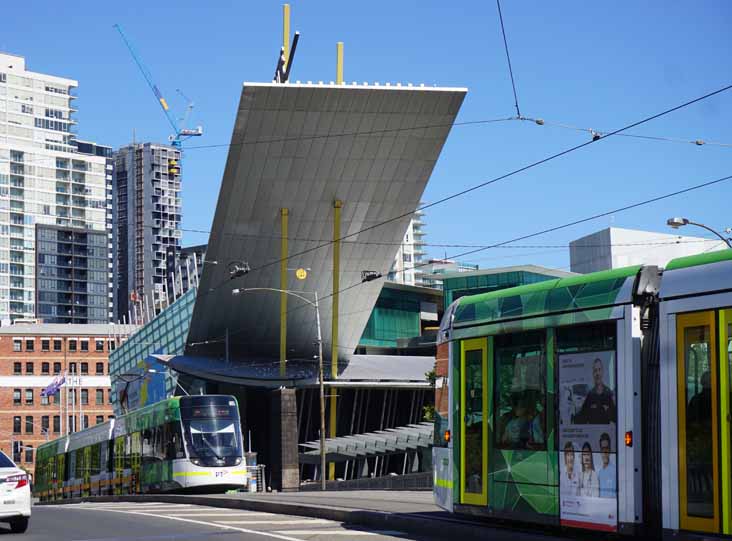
(677,222)
(320,364)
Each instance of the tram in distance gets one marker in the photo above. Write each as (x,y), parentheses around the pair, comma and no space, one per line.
(599,401)
(182,444)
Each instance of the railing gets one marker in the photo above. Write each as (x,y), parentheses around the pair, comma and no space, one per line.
(409,481)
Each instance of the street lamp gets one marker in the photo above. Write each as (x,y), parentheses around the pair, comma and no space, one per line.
(238,291)
(677,222)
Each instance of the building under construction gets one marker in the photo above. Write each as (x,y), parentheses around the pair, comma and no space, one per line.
(147,189)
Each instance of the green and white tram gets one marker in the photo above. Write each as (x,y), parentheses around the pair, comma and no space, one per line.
(189,443)
(600,401)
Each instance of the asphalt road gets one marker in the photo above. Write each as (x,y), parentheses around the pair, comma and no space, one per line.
(179,522)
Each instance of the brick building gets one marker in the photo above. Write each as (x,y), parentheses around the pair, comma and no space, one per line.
(31,355)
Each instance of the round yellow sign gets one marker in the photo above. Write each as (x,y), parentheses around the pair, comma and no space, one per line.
(301,274)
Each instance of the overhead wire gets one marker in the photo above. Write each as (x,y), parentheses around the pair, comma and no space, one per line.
(508,58)
(527,236)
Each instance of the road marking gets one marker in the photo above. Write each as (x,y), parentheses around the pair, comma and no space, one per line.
(225,526)
(276,522)
(332,532)
(219,514)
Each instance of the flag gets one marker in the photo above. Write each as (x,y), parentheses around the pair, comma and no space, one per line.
(54,386)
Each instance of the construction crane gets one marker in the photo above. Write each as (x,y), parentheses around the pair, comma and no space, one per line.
(180,132)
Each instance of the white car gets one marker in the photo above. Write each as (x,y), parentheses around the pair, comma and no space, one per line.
(15,495)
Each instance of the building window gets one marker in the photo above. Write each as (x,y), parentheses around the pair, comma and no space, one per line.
(29,454)
(407,258)
(29,344)
(72,424)
(29,396)
(72,345)
(85,345)
(29,424)
(57,398)
(84,397)
(56,345)
(112,345)
(72,368)
(16,397)
(17,344)
(45,368)
(110,417)
(84,367)
(99,345)
(56,424)
(44,424)
(85,422)
(100,368)
(100,419)
(109,395)
(100,397)
(56,368)
(44,400)
(45,345)
(17,368)
(16,424)
(28,368)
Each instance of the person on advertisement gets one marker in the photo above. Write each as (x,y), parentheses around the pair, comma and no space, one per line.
(599,405)
(570,480)
(588,482)
(607,474)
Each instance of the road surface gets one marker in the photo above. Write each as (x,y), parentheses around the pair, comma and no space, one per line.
(182,522)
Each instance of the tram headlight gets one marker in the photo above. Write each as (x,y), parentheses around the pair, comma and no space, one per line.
(237,461)
(196,461)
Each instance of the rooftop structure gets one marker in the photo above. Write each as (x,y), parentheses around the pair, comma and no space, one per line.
(615,247)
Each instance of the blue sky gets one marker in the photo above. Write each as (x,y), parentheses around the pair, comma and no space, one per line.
(589,64)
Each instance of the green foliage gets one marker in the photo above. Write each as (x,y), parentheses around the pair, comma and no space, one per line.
(429,413)
(431,376)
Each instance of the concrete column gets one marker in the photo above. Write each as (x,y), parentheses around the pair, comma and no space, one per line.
(285,473)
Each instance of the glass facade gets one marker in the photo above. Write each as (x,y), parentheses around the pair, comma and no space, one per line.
(165,334)
(396,315)
(72,278)
(459,286)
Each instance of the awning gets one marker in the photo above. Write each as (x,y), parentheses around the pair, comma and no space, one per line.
(382,442)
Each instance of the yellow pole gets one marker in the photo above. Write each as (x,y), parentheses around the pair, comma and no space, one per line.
(284,214)
(339,63)
(337,205)
(286,32)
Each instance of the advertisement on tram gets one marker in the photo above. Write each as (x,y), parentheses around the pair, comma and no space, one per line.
(588,440)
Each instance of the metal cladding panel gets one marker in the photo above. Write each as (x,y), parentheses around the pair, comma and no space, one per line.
(302,147)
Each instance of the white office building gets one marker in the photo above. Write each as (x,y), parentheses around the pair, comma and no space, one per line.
(615,247)
(46,180)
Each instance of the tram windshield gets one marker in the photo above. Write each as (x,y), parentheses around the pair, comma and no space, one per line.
(217,438)
(211,429)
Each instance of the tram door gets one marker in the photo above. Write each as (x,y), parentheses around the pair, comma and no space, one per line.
(474,401)
(698,415)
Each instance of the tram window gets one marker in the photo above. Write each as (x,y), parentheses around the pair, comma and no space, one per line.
(579,338)
(173,441)
(520,391)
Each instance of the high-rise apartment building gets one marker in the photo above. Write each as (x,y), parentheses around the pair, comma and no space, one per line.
(147,189)
(47,178)
(406,268)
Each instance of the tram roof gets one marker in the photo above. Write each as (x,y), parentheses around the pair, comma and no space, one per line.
(575,293)
(697,274)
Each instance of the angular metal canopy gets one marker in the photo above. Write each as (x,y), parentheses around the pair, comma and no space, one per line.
(301,147)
